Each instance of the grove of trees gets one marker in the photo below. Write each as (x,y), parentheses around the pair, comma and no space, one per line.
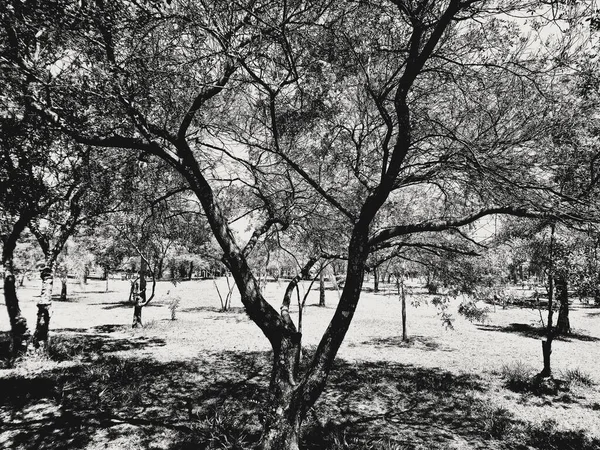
(354,131)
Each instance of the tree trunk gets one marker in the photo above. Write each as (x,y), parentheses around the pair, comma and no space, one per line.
(137,316)
(139,297)
(40,336)
(18,325)
(563,325)
(375,280)
(281,429)
(322,288)
(547,343)
(63,290)
(190,270)
(546,352)
(403,299)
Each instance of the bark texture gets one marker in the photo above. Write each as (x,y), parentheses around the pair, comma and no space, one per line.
(563,324)
(40,336)
(18,324)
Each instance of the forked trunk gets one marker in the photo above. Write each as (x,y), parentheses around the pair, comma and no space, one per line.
(285,412)
(40,336)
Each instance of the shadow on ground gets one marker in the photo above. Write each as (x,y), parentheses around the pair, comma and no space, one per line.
(82,344)
(536,332)
(419,342)
(216,401)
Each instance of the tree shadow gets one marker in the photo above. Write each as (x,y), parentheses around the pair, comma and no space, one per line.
(81,344)
(420,342)
(536,332)
(217,401)
(124,304)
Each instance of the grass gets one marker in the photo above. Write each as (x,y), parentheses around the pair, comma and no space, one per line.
(200,381)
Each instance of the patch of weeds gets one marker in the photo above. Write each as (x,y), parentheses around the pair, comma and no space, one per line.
(65,349)
(577,377)
(517,376)
(547,436)
(221,428)
(496,422)
(150,324)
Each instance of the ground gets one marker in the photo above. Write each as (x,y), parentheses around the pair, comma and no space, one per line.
(199,381)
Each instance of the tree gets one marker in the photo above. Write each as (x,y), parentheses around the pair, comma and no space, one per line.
(359,104)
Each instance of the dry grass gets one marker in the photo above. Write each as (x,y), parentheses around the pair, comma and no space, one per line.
(199,381)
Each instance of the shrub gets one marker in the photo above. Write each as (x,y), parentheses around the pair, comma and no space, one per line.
(496,422)
(577,377)
(517,376)
(173,306)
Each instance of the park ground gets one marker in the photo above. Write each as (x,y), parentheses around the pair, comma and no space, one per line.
(199,381)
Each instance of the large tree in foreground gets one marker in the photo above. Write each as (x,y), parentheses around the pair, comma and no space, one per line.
(431,109)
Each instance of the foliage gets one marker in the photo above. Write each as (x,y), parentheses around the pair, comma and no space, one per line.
(441,303)
(174,305)
(470,311)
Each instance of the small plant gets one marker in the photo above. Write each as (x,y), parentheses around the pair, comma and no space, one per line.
(173,306)
(517,376)
(496,421)
(577,377)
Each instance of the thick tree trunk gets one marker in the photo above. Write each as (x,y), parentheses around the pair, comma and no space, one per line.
(375,280)
(322,288)
(281,429)
(40,336)
(18,325)
(190,270)
(563,325)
